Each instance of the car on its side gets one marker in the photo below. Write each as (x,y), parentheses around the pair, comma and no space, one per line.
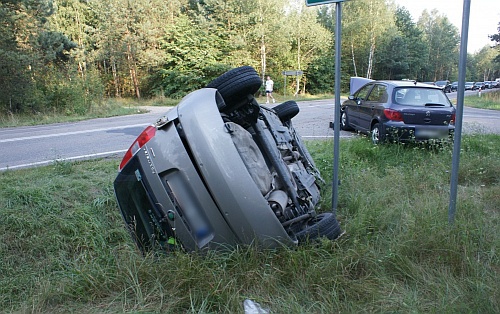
(454,86)
(399,111)
(220,170)
(444,85)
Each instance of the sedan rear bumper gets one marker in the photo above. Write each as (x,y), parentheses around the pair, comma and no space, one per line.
(398,131)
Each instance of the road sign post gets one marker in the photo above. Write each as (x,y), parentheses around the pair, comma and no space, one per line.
(336,116)
(459,115)
(318,2)
(290,73)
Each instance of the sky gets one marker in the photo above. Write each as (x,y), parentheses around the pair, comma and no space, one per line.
(483,19)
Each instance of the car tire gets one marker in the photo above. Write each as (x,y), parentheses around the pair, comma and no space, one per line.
(323,225)
(344,121)
(377,135)
(287,110)
(235,85)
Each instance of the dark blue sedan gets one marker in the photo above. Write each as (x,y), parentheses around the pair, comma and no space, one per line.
(398,111)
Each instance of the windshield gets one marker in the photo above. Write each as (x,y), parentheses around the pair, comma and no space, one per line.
(418,96)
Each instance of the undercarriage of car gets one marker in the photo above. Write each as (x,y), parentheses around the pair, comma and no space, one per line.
(220,170)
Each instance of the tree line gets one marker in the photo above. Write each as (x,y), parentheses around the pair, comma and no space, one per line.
(66,56)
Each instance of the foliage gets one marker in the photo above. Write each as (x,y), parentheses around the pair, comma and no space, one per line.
(405,51)
(495,38)
(442,39)
(489,100)
(67,55)
(65,248)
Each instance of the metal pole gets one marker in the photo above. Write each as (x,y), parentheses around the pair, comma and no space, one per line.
(284,88)
(459,113)
(336,123)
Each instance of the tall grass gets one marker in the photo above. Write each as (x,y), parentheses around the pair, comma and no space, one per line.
(484,100)
(65,248)
(107,108)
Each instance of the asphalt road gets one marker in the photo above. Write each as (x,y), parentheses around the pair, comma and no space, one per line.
(23,147)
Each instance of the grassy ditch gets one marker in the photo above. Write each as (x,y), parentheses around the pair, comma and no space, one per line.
(108,108)
(65,248)
(487,100)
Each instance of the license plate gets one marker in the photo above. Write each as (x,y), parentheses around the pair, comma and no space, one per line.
(428,133)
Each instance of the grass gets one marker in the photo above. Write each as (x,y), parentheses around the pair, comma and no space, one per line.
(488,100)
(65,248)
(110,108)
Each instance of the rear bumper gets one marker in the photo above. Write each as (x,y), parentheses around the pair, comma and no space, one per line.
(197,187)
(398,131)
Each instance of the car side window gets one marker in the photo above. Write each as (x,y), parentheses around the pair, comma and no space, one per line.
(363,92)
(378,94)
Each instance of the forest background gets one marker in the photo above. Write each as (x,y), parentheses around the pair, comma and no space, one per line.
(68,56)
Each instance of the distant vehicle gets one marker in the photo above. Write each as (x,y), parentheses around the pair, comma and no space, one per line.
(399,111)
(444,85)
(470,86)
(479,85)
(454,86)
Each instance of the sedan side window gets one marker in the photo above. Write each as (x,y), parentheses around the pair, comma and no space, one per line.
(363,92)
(378,94)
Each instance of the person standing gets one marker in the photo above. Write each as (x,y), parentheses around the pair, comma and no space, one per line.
(269,89)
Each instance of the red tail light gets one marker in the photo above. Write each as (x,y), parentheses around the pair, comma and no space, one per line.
(452,120)
(393,115)
(142,139)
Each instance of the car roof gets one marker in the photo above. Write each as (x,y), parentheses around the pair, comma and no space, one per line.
(358,82)
(405,83)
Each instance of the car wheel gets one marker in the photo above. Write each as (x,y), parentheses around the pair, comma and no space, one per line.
(235,85)
(287,110)
(377,135)
(344,121)
(323,225)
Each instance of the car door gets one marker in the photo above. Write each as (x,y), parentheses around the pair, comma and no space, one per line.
(354,106)
(374,102)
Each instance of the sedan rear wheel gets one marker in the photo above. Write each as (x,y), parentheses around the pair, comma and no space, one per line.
(287,110)
(377,135)
(323,225)
(235,85)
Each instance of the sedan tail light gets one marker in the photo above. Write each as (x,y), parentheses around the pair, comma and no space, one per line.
(141,140)
(452,120)
(393,115)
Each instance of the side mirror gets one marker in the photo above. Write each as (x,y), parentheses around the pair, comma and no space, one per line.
(351,97)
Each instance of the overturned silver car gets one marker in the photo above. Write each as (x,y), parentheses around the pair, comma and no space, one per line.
(220,170)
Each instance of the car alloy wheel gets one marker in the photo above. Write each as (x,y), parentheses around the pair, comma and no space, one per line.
(344,121)
(377,136)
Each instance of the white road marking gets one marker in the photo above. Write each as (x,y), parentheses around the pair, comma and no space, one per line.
(47,162)
(34,137)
